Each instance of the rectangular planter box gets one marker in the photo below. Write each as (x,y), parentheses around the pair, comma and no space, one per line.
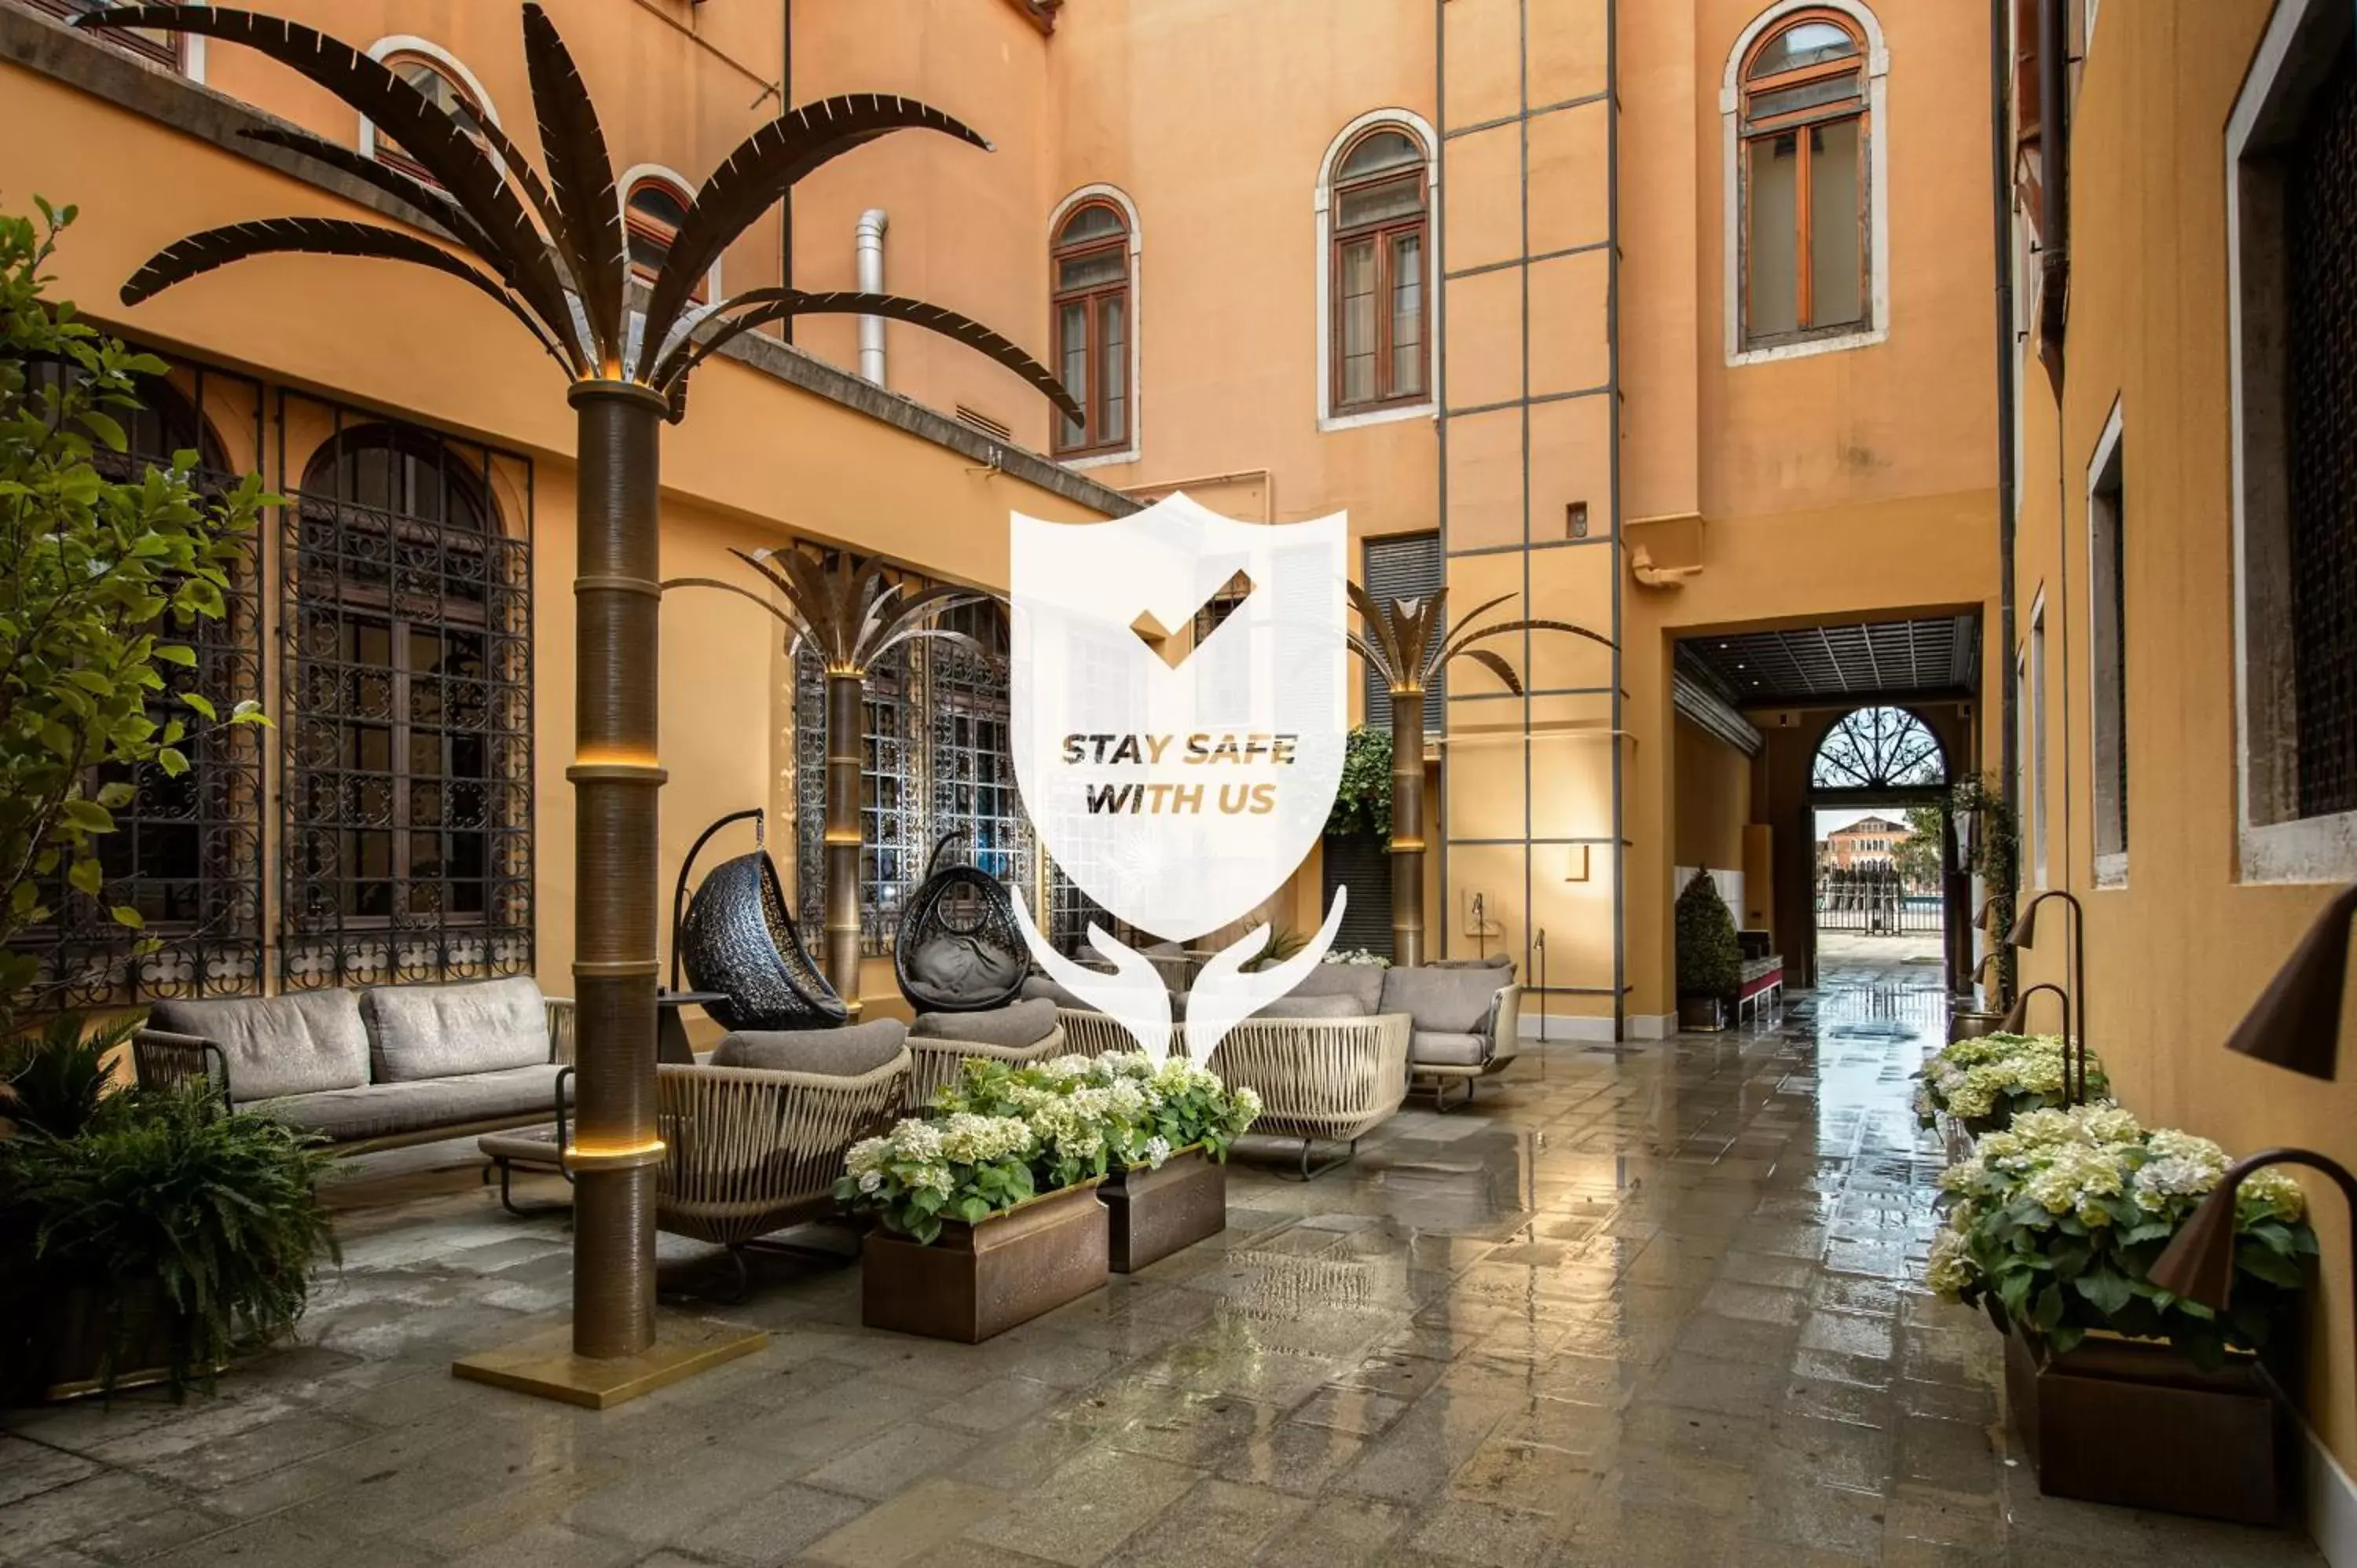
(1151,1214)
(1701,1015)
(2133,1423)
(975,1281)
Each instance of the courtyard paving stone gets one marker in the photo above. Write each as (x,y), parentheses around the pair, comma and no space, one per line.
(1652,1305)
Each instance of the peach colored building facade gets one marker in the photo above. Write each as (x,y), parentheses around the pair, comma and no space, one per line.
(1476,271)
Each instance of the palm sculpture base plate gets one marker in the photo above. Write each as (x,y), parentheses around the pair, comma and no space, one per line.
(545,1367)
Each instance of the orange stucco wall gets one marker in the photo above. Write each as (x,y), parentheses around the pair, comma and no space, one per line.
(2175,956)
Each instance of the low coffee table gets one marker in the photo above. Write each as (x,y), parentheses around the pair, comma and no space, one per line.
(538,1148)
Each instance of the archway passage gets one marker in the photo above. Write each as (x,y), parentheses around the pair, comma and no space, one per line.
(1877,787)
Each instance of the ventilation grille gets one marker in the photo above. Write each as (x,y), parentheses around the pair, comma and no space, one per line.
(980,421)
(1407,567)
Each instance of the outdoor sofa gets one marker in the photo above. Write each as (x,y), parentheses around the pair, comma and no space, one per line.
(379,1069)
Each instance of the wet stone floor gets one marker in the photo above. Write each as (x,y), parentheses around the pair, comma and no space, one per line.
(1656,1306)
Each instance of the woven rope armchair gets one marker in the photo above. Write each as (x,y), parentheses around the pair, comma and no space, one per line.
(747,1152)
(1330,1081)
(935,1063)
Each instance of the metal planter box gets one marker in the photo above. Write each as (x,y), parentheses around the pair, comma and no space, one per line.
(2132,1422)
(1151,1214)
(979,1280)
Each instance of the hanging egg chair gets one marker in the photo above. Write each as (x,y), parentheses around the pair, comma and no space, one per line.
(957,949)
(737,937)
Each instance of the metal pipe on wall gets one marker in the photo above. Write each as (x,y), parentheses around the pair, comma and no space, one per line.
(869,242)
(2000,187)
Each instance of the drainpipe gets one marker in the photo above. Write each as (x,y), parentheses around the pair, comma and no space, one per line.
(2001,227)
(2054,181)
(872,224)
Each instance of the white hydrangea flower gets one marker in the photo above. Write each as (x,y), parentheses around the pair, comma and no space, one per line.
(1156,1150)
(871,1181)
(1950,1269)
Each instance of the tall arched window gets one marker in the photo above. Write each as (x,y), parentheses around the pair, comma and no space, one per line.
(409,848)
(1381,218)
(1803,166)
(651,215)
(445,84)
(1095,326)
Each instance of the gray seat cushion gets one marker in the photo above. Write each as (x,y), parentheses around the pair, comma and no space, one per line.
(837,1053)
(1361,982)
(1295,1005)
(305,1043)
(395,1110)
(1039,988)
(1016,1025)
(1434,1047)
(446,1031)
(1449,1001)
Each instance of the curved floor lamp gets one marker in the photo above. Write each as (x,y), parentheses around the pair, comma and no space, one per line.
(2295,1023)
(2025,934)
(2017,1016)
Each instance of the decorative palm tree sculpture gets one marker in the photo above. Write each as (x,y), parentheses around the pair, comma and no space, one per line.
(552,254)
(850,615)
(1402,642)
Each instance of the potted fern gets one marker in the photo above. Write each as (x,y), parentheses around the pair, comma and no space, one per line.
(159,1238)
(1710,958)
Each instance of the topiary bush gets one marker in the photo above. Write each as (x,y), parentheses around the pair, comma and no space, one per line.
(1710,958)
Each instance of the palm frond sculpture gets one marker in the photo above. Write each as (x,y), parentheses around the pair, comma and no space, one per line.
(1404,642)
(850,613)
(551,251)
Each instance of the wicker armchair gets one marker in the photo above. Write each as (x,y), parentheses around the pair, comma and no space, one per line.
(936,1062)
(1322,1081)
(747,1151)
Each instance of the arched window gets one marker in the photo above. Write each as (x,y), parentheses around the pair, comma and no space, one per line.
(1095,326)
(651,215)
(1879,748)
(446,86)
(1802,162)
(410,683)
(1381,216)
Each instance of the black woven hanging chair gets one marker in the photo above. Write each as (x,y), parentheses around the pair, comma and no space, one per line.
(957,949)
(738,938)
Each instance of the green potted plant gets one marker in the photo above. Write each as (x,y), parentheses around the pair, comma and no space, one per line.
(2122,1391)
(970,1243)
(1992,854)
(1709,958)
(161,1236)
(1163,1129)
(1980,1084)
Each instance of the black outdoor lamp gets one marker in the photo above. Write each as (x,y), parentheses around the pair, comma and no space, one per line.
(2017,1016)
(2025,934)
(2295,1023)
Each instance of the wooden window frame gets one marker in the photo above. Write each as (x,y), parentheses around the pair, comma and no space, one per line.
(170,51)
(637,225)
(1094,398)
(386,149)
(1385,234)
(1750,132)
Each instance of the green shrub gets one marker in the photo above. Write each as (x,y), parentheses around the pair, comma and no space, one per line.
(1362,801)
(1710,958)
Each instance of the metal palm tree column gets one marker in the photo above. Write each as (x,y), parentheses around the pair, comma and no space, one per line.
(551,252)
(848,613)
(1402,642)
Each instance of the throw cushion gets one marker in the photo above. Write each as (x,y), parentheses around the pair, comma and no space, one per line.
(448,1031)
(953,966)
(1039,988)
(305,1043)
(1451,1000)
(1011,1028)
(1433,1047)
(1495,960)
(1361,982)
(837,1053)
(1295,1005)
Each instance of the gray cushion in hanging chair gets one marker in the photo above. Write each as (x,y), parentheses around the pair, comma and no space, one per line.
(739,939)
(959,960)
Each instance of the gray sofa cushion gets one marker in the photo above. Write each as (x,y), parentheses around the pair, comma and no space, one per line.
(1495,960)
(1039,988)
(1434,1047)
(837,1053)
(394,1110)
(1450,1001)
(1295,1005)
(305,1043)
(448,1031)
(1361,982)
(1019,1024)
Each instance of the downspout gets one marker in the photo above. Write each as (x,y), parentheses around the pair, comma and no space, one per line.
(2001,226)
(872,224)
(786,202)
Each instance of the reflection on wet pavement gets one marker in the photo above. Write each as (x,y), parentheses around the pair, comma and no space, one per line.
(1647,1306)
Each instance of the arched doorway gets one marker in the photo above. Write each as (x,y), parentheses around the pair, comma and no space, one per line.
(1883,863)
